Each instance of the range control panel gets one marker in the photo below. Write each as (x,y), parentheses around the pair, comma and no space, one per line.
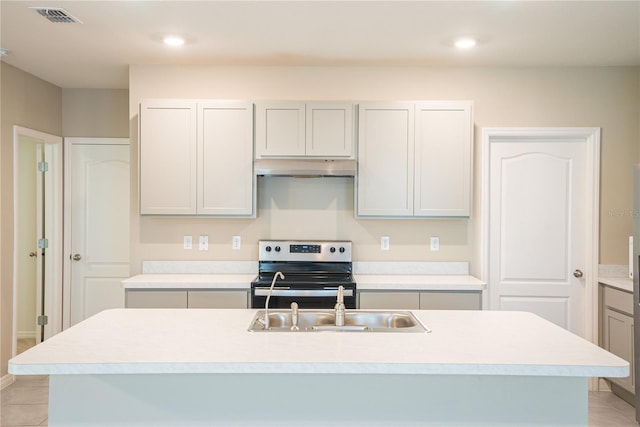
(288,250)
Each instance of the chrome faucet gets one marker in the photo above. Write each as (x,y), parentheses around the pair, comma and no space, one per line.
(294,316)
(339,307)
(266,304)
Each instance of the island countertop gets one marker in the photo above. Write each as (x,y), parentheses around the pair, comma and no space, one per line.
(141,341)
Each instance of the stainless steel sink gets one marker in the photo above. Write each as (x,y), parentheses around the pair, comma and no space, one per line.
(324,320)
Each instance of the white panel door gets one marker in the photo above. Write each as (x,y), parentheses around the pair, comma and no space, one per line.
(385,159)
(225,158)
(99,209)
(538,227)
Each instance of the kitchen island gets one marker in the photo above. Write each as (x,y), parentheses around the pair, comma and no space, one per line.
(165,367)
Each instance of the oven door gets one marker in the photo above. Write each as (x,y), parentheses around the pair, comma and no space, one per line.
(306,298)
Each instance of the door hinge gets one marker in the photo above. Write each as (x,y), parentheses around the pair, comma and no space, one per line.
(43,166)
(43,243)
(43,320)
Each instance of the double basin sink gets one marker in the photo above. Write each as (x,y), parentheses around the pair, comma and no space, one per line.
(325,320)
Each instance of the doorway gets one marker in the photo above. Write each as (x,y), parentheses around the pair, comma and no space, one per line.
(37,260)
(540,223)
(97,188)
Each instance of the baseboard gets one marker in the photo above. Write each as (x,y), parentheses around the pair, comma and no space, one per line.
(26,335)
(6,381)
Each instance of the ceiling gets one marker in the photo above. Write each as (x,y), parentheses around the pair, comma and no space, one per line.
(115,34)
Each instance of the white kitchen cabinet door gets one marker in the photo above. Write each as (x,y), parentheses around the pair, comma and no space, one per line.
(385,159)
(156,299)
(618,339)
(443,159)
(456,300)
(167,157)
(329,130)
(400,300)
(225,158)
(217,299)
(280,129)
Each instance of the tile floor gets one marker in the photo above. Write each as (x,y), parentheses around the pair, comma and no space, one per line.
(25,403)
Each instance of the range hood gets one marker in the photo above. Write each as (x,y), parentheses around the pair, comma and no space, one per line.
(304,167)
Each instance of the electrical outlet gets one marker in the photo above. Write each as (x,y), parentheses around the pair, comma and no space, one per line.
(236,241)
(384,243)
(187,242)
(435,244)
(203,243)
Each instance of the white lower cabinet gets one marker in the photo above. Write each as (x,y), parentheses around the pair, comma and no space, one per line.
(617,331)
(186,298)
(156,299)
(390,300)
(423,300)
(218,299)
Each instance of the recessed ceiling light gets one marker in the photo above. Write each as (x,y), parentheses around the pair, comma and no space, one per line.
(465,43)
(173,41)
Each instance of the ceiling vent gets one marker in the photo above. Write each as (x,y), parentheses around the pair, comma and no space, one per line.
(57,15)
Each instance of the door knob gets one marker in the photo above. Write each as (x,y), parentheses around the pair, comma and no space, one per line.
(77,257)
(578,274)
(33,254)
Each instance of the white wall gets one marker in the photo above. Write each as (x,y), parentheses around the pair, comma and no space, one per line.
(295,208)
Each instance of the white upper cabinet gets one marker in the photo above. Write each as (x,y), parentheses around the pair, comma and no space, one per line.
(414,159)
(196,158)
(299,129)
(443,159)
(385,159)
(225,158)
(168,157)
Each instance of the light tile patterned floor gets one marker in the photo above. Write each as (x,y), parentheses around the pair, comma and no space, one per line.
(25,402)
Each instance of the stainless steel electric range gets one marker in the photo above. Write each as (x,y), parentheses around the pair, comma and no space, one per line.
(312,272)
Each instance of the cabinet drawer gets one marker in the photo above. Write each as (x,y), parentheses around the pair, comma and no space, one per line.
(618,300)
(217,299)
(450,300)
(390,300)
(156,299)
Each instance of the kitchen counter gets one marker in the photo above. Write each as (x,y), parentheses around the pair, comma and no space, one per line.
(190,281)
(396,282)
(421,282)
(143,362)
(622,283)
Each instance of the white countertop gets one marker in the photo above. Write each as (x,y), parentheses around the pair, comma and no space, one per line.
(140,341)
(622,283)
(418,282)
(189,281)
(365,282)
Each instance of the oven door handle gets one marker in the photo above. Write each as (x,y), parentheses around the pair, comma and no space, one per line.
(302,292)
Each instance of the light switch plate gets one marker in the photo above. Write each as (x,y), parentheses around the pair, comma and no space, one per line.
(236,242)
(187,242)
(203,243)
(384,243)
(435,244)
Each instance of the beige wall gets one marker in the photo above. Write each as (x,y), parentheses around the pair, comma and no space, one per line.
(95,113)
(31,103)
(323,209)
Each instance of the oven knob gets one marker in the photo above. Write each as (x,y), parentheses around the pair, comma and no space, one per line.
(332,250)
(341,250)
(277,248)
(268,249)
